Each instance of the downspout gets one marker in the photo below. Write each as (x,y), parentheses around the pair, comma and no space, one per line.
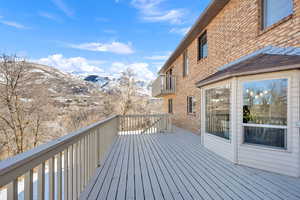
(202,107)
(234,118)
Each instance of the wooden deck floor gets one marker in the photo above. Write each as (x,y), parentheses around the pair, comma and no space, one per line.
(176,166)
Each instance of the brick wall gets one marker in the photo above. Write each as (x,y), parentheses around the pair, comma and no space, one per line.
(233,33)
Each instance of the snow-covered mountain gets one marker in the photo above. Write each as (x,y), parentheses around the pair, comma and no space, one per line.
(109,83)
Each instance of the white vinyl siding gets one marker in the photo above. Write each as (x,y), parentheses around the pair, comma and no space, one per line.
(283,161)
(268,158)
(218,145)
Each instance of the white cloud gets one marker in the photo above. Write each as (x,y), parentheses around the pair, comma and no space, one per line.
(63,7)
(114,47)
(141,70)
(172,16)
(49,16)
(83,66)
(14,24)
(74,64)
(150,11)
(160,57)
(181,31)
(156,57)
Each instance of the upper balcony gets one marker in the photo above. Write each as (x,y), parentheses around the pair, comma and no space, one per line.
(164,85)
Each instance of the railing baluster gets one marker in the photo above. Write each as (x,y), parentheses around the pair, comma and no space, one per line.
(59,177)
(68,162)
(51,178)
(71,167)
(97,147)
(41,181)
(78,168)
(82,163)
(92,152)
(85,159)
(28,185)
(66,174)
(75,172)
(89,158)
(95,150)
(12,190)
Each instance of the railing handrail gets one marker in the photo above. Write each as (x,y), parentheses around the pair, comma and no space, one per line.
(16,166)
(164,84)
(72,159)
(151,115)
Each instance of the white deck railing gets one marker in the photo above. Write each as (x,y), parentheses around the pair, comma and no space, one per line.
(68,163)
(164,85)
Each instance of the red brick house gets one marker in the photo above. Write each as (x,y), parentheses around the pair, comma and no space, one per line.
(235,79)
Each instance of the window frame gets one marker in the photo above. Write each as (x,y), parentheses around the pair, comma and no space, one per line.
(222,85)
(192,111)
(263,27)
(286,127)
(185,63)
(200,45)
(170,106)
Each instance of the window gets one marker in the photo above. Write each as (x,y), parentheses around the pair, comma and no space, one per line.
(169,79)
(203,48)
(217,111)
(185,63)
(170,105)
(275,10)
(265,112)
(191,104)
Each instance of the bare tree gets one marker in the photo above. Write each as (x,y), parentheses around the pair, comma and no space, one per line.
(21,103)
(108,105)
(128,91)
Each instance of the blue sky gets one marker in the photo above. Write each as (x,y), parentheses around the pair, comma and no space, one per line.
(97,36)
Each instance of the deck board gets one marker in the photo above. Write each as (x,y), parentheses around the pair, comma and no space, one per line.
(176,166)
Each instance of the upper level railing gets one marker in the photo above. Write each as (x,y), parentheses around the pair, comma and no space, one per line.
(61,169)
(163,85)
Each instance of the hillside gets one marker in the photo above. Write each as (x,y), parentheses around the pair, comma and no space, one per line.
(67,102)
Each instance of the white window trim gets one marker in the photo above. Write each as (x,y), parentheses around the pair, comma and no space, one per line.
(264,126)
(287,127)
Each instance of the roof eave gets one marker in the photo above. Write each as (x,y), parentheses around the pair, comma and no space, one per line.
(228,76)
(205,18)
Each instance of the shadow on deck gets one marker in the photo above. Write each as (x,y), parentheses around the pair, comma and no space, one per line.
(176,166)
